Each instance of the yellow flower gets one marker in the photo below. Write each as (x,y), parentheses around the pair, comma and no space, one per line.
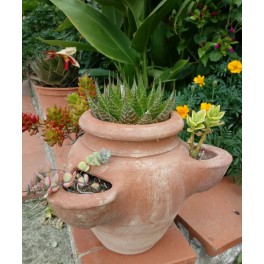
(199,80)
(205,106)
(182,111)
(235,66)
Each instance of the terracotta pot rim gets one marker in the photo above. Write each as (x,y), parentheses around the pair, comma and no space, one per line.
(220,155)
(55,88)
(84,200)
(127,132)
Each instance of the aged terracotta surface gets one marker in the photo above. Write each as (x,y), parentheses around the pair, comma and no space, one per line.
(49,96)
(151,175)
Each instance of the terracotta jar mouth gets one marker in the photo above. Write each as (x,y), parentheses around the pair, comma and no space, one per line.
(128,132)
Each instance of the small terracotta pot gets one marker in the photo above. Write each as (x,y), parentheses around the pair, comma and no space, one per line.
(151,174)
(50,96)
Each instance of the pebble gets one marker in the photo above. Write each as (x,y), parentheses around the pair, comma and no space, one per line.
(54,244)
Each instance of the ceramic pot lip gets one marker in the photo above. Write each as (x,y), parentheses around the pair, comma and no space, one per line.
(219,157)
(127,132)
(39,87)
(82,200)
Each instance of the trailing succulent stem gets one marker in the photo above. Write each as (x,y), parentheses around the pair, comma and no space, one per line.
(120,104)
(50,180)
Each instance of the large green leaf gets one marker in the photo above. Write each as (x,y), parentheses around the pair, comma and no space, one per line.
(172,73)
(118,4)
(67,43)
(113,15)
(159,47)
(137,8)
(142,35)
(99,31)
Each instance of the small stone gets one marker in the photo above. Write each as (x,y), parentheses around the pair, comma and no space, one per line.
(54,244)
(95,186)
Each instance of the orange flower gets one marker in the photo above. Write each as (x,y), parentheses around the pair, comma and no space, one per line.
(182,111)
(205,106)
(235,66)
(199,80)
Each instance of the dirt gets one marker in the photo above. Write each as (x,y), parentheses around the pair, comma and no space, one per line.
(44,240)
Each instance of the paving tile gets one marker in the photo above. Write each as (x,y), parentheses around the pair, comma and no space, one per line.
(85,240)
(214,217)
(171,249)
(33,151)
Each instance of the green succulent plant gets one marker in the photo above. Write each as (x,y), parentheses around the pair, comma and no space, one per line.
(51,73)
(120,104)
(200,124)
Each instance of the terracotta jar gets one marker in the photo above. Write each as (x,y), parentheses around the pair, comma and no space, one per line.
(50,96)
(151,174)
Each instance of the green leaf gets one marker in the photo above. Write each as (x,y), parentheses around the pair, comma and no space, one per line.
(171,73)
(98,72)
(184,4)
(142,35)
(215,55)
(205,59)
(159,47)
(118,4)
(67,43)
(137,8)
(199,39)
(201,52)
(237,2)
(99,31)
(64,25)
(112,14)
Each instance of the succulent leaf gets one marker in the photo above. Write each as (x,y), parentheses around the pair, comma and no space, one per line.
(131,106)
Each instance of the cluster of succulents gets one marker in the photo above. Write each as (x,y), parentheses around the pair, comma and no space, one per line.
(49,181)
(120,104)
(62,122)
(50,72)
(77,101)
(30,123)
(200,124)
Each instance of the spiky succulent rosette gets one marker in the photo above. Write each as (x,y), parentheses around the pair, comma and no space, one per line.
(120,104)
(51,72)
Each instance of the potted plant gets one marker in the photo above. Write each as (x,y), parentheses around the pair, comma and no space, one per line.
(150,173)
(61,122)
(55,75)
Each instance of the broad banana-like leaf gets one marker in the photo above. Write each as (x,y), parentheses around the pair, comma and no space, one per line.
(66,43)
(137,7)
(113,15)
(142,35)
(99,31)
(118,4)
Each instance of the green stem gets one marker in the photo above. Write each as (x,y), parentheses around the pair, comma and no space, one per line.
(199,145)
(191,144)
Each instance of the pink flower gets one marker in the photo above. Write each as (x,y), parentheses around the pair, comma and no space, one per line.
(217,46)
(232,30)
(231,50)
(214,13)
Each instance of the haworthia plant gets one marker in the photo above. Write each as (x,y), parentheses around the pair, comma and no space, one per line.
(51,72)
(120,104)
